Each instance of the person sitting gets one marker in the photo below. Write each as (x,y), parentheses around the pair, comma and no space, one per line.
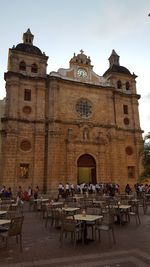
(8,193)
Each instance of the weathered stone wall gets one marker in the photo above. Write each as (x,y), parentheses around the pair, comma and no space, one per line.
(2,110)
(107,140)
(46,135)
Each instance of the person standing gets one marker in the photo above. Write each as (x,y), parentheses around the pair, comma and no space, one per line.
(36,192)
(19,193)
(72,189)
(128,189)
(60,189)
(67,189)
(29,191)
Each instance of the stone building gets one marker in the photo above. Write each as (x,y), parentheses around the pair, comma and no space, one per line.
(2,110)
(68,126)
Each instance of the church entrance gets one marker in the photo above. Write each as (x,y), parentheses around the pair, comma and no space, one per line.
(86,169)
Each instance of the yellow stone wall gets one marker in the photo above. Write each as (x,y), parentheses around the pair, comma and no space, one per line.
(58,136)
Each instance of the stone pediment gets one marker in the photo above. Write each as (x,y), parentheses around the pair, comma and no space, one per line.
(81,70)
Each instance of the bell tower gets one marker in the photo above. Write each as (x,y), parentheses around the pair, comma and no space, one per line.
(24,119)
(113,59)
(28,37)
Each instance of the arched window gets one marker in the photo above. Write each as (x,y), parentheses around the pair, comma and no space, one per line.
(119,84)
(22,65)
(127,86)
(34,68)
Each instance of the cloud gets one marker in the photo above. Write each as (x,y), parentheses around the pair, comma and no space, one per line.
(146,98)
(122,18)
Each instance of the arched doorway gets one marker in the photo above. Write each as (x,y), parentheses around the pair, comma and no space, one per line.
(86,169)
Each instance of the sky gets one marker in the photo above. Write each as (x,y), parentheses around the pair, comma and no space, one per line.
(62,27)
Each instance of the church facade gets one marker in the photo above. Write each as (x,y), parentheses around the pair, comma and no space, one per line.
(68,126)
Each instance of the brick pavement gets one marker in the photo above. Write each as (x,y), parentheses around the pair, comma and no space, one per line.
(41,247)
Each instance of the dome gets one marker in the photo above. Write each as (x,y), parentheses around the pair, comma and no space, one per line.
(31,49)
(118,69)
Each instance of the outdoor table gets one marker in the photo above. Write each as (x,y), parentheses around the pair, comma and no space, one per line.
(7,201)
(41,199)
(2,212)
(122,207)
(3,222)
(77,198)
(56,204)
(70,209)
(87,218)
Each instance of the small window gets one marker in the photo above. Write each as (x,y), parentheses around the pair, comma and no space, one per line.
(131,172)
(34,68)
(127,86)
(22,66)
(24,170)
(125,109)
(27,95)
(119,84)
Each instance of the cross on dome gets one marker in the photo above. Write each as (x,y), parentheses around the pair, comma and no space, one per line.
(81,51)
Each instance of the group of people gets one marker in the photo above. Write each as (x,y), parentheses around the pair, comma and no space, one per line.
(25,195)
(110,189)
(6,193)
(138,188)
(71,189)
(141,188)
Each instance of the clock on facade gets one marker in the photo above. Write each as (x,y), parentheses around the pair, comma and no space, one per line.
(82,73)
